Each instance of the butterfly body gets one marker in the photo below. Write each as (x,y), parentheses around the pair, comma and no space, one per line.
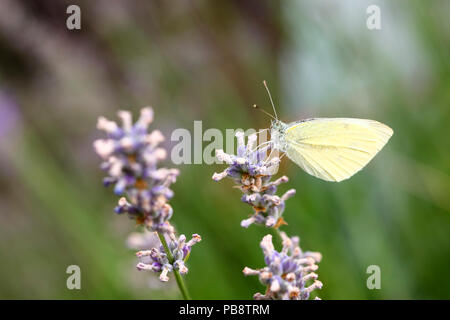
(278,135)
(332,149)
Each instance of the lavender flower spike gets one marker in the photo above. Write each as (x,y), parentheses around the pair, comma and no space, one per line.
(156,259)
(287,272)
(131,155)
(252,172)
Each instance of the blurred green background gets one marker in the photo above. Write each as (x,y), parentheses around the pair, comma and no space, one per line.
(205,60)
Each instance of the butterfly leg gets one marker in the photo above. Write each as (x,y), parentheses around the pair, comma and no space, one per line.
(259,146)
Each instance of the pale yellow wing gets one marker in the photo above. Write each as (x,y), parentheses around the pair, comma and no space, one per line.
(334,149)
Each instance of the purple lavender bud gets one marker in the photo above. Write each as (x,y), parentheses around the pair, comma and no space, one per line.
(156,259)
(252,172)
(131,155)
(287,272)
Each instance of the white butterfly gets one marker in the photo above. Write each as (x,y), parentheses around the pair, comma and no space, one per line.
(332,149)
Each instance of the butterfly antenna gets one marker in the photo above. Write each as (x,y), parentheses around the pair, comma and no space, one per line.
(264,111)
(271,101)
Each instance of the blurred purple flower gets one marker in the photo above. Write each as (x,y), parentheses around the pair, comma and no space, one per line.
(9,114)
(131,157)
(287,272)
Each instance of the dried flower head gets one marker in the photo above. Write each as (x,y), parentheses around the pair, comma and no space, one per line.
(157,259)
(252,172)
(131,155)
(287,272)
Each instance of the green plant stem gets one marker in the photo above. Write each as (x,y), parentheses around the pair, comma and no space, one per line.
(278,232)
(178,277)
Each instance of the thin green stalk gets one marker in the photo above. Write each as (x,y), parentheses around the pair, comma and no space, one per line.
(278,232)
(178,277)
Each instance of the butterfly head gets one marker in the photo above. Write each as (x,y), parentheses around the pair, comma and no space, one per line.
(278,125)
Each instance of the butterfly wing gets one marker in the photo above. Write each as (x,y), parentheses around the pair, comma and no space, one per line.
(334,149)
